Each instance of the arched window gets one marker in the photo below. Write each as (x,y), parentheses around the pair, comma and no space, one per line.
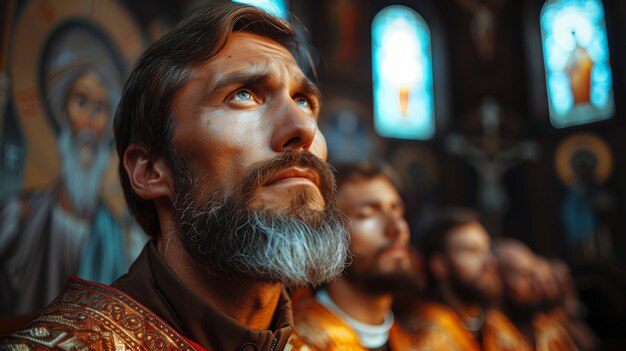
(277,8)
(402,74)
(576,60)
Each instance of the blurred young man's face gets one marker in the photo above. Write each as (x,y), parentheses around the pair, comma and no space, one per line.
(379,233)
(254,194)
(517,271)
(471,266)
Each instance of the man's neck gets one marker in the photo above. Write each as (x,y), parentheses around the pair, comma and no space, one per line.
(466,310)
(250,303)
(522,318)
(363,307)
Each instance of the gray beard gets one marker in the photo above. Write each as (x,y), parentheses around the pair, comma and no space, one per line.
(302,247)
(81,182)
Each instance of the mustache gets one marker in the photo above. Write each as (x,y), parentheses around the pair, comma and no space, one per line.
(258,173)
(392,244)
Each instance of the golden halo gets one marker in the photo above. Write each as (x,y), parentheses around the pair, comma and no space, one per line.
(583,142)
(36,21)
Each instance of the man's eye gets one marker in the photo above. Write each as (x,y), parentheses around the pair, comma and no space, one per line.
(243,95)
(364,213)
(303,102)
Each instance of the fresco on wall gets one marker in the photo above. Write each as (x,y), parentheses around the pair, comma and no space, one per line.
(584,163)
(69,60)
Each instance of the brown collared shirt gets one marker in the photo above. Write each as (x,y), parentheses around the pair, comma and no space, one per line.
(152,283)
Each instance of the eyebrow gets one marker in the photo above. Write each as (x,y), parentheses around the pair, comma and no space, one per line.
(255,75)
(374,203)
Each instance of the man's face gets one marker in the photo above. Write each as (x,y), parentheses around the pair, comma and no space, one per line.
(517,271)
(550,291)
(83,148)
(379,233)
(471,264)
(248,104)
(88,105)
(254,196)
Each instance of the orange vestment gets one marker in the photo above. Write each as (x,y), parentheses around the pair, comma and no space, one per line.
(550,335)
(437,327)
(323,330)
(501,334)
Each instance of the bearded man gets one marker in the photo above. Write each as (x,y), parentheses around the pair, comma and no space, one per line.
(353,312)
(524,292)
(461,281)
(67,229)
(221,162)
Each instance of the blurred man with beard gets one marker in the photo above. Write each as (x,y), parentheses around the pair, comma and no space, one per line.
(48,235)
(567,309)
(461,280)
(522,298)
(353,312)
(222,163)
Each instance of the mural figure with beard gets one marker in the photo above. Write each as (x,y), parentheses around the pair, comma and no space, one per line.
(353,312)
(523,323)
(48,235)
(223,165)
(461,281)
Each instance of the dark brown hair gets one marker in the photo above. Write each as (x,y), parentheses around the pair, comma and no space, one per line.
(433,239)
(144,114)
(350,172)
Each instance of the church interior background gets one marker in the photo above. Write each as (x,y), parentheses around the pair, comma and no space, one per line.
(513,107)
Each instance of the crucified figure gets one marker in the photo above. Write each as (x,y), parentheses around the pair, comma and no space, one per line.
(491,162)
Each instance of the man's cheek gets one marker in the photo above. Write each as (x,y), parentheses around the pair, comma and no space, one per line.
(318,147)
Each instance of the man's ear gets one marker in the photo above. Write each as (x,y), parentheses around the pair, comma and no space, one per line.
(148,174)
(438,267)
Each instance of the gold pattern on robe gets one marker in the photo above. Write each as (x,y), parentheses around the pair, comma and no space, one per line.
(89,316)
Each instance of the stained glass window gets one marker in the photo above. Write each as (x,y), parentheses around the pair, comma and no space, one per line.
(576,60)
(275,7)
(402,74)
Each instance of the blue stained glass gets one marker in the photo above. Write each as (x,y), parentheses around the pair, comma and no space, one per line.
(402,74)
(576,59)
(277,8)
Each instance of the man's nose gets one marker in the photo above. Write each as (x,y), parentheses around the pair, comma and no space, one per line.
(294,128)
(397,228)
(490,261)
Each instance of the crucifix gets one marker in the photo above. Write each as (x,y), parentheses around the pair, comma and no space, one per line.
(491,161)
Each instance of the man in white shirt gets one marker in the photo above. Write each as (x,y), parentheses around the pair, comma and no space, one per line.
(353,312)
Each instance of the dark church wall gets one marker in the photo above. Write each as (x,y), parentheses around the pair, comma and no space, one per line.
(514,76)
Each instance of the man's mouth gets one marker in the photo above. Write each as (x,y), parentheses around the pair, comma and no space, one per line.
(395,250)
(293,175)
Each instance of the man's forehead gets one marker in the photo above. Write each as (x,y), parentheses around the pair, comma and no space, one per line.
(248,48)
(251,55)
(470,233)
(364,190)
